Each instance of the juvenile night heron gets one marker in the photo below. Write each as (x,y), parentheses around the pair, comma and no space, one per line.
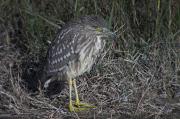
(75,50)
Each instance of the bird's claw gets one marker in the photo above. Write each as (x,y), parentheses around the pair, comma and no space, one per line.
(77,107)
(84,105)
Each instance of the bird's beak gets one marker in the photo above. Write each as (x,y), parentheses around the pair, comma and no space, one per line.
(111,34)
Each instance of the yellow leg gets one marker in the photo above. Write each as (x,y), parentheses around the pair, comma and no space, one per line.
(77,106)
(71,106)
(77,102)
(76,93)
(70,97)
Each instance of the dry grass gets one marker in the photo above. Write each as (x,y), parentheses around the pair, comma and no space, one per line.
(138,79)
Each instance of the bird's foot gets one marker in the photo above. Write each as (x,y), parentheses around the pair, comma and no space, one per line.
(77,107)
(84,105)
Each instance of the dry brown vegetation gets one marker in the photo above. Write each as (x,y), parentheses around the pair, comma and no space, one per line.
(137,80)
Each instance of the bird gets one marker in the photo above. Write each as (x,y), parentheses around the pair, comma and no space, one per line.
(75,50)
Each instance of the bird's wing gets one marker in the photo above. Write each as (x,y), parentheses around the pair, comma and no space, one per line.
(62,50)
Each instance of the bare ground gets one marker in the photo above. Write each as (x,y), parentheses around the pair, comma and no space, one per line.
(140,79)
(139,86)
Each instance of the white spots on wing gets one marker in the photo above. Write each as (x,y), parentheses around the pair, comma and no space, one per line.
(53,70)
(70,43)
(67,45)
(60,51)
(64,47)
(57,69)
(56,53)
(64,33)
(64,57)
(80,39)
(68,54)
(57,48)
(74,38)
(49,62)
(61,33)
(73,41)
(61,68)
(55,61)
(72,50)
(52,62)
(59,60)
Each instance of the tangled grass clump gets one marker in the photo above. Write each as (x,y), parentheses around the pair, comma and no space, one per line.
(140,78)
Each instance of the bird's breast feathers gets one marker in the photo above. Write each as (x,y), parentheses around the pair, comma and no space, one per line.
(87,57)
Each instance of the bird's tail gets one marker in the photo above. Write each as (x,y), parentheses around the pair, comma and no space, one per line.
(30,80)
(35,79)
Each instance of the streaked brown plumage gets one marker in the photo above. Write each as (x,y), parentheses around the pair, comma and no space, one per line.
(75,50)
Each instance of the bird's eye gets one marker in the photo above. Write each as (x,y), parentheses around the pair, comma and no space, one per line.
(99,29)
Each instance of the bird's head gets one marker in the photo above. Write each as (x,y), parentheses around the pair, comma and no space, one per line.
(97,26)
(105,33)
